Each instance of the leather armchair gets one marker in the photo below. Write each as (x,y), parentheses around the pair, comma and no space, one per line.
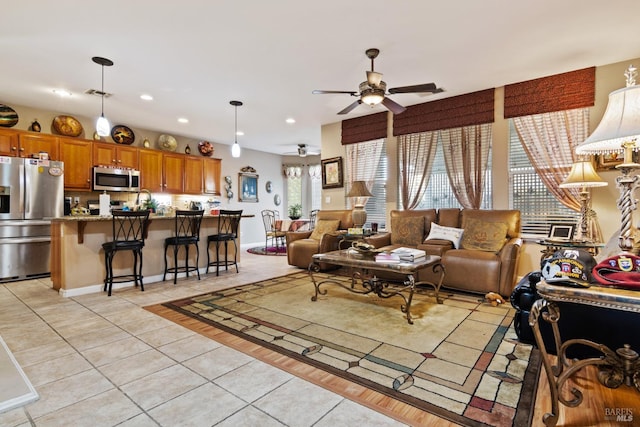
(300,247)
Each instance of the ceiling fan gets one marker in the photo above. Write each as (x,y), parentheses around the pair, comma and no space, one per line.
(303,151)
(374,90)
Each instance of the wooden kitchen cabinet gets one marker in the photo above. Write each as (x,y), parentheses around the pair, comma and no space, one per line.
(26,144)
(193,174)
(76,155)
(115,155)
(211,175)
(8,142)
(173,172)
(151,177)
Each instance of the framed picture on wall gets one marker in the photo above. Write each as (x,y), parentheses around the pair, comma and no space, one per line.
(332,172)
(248,187)
(611,160)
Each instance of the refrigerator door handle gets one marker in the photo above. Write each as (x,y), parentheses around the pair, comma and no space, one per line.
(22,191)
(22,240)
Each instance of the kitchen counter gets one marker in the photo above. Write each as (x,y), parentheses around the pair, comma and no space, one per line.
(77,258)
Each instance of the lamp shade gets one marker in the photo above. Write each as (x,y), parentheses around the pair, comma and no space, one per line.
(359,189)
(620,123)
(583,175)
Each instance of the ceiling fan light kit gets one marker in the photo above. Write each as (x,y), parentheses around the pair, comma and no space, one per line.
(235,148)
(374,90)
(103,128)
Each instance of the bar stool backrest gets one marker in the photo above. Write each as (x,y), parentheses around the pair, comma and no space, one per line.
(187,224)
(228,222)
(130,226)
(269,220)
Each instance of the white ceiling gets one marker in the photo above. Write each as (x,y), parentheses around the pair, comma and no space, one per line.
(194,56)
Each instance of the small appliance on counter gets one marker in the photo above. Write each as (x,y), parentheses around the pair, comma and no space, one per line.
(94,206)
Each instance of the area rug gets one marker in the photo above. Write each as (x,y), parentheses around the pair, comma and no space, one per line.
(268,250)
(460,360)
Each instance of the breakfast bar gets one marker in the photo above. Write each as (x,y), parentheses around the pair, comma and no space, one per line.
(77,258)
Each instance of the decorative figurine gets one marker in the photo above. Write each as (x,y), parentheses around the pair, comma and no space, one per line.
(187,149)
(35,126)
(146,143)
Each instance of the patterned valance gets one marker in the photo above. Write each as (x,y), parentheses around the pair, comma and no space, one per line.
(458,111)
(566,91)
(365,128)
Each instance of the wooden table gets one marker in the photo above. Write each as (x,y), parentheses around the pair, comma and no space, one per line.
(364,280)
(616,367)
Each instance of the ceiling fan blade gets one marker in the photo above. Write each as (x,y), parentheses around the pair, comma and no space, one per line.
(427,87)
(374,78)
(320,92)
(393,106)
(350,107)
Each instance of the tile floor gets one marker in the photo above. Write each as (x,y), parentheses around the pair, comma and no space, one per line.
(104,361)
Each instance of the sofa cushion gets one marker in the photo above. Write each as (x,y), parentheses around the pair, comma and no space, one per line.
(324,226)
(407,230)
(452,234)
(483,235)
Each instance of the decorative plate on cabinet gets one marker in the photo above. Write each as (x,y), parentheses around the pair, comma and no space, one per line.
(67,126)
(205,148)
(121,134)
(8,116)
(167,142)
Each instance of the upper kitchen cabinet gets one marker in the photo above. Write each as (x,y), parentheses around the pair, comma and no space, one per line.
(27,144)
(173,172)
(193,178)
(115,155)
(211,174)
(151,170)
(76,155)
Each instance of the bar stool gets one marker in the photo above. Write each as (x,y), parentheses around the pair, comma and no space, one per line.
(228,222)
(129,232)
(186,233)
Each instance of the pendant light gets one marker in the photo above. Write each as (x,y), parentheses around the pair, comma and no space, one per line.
(235,148)
(103,128)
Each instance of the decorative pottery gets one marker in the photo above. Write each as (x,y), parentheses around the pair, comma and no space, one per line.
(187,149)
(121,134)
(205,148)
(167,143)
(35,126)
(8,116)
(67,126)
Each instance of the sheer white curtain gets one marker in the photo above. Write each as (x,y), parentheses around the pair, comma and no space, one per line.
(362,161)
(466,155)
(415,156)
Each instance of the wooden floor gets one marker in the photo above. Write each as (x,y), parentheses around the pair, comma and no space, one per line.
(598,401)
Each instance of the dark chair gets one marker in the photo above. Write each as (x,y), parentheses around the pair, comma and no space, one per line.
(271,232)
(228,222)
(129,232)
(186,233)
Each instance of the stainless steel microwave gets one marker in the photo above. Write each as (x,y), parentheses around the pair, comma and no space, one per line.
(114,179)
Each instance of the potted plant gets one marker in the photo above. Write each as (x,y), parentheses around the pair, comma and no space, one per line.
(150,205)
(295,211)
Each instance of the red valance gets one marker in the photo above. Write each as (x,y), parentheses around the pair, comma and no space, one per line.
(457,111)
(365,128)
(566,91)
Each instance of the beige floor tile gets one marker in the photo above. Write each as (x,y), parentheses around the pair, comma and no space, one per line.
(142,420)
(203,406)
(298,403)
(116,350)
(253,380)
(97,338)
(189,347)
(56,369)
(137,366)
(348,413)
(217,362)
(251,416)
(43,353)
(168,334)
(162,386)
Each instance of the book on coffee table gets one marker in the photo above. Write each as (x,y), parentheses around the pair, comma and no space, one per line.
(409,254)
(387,257)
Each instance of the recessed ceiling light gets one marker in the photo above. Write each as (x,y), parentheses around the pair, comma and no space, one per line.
(291,120)
(239,133)
(183,120)
(62,92)
(146,97)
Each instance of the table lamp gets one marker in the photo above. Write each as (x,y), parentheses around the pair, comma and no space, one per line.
(584,176)
(618,132)
(360,194)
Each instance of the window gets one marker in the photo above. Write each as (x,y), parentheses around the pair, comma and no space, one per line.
(439,193)
(293,176)
(538,207)
(315,178)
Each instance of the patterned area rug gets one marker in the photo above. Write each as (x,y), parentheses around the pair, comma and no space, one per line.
(460,360)
(270,250)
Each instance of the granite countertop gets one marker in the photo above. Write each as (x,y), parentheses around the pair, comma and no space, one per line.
(98,218)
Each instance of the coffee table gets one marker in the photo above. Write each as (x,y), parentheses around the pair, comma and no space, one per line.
(364,280)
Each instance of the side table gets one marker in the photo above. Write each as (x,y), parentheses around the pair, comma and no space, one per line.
(554,245)
(618,367)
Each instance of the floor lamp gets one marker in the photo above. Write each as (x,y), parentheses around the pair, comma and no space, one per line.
(584,176)
(618,132)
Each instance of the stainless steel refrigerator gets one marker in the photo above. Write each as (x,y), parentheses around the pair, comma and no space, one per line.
(31,193)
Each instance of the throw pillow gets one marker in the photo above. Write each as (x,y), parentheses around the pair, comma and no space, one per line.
(324,226)
(452,234)
(484,235)
(407,230)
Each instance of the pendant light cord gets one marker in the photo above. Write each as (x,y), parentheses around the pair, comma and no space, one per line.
(102,93)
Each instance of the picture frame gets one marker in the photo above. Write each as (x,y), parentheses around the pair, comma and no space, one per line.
(332,176)
(611,160)
(248,187)
(561,232)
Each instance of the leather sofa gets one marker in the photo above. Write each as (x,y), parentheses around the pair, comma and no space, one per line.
(477,269)
(302,245)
